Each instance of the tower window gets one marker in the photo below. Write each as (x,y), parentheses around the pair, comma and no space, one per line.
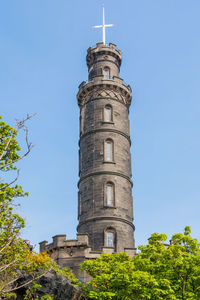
(108,113)
(79,205)
(110,239)
(109,194)
(109,150)
(106,73)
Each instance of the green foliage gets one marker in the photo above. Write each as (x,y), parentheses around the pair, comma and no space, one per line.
(116,277)
(159,271)
(46,297)
(10,223)
(31,293)
(66,272)
(16,259)
(11,296)
(9,146)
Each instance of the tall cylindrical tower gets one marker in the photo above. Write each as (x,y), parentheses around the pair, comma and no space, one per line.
(105,209)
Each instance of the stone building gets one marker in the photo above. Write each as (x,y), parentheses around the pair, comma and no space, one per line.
(105,204)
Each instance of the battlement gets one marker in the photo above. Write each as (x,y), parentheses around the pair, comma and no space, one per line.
(60,241)
(102,47)
(71,253)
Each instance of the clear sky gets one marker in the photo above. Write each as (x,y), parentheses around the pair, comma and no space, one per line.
(43,45)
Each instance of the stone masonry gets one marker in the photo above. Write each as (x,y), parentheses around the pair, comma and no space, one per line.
(105,204)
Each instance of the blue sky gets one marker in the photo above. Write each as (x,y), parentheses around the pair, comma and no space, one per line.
(43,45)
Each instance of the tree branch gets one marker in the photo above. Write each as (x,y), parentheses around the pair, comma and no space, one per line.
(9,184)
(22,285)
(19,125)
(7,266)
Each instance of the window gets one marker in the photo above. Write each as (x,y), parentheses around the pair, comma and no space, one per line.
(108,113)
(108,150)
(109,194)
(106,73)
(79,205)
(80,161)
(110,239)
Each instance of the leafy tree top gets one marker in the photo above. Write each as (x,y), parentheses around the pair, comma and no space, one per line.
(158,271)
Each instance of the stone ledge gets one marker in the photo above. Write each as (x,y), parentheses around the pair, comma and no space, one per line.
(93,131)
(97,218)
(83,177)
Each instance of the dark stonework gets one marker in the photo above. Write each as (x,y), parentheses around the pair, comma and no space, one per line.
(105,203)
(55,285)
(101,90)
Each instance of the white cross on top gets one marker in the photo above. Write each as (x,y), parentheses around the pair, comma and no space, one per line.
(103,26)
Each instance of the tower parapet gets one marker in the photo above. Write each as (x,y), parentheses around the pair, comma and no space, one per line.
(102,57)
(103,68)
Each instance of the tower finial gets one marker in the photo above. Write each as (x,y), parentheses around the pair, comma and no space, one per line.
(103,26)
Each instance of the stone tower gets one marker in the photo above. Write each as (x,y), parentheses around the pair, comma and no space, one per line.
(105,204)
(105,187)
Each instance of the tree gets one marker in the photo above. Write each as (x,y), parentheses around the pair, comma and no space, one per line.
(16,258)
(159,271)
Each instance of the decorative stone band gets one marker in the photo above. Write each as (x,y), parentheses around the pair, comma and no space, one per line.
(108,98)
(106,218)
(100,88)
(106,173)
(105,130)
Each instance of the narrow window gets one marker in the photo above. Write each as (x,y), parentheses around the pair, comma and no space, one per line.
(108,113)
(79,162)
(106,72)
(110,239)
(109,150)
(109,194)
(79,205)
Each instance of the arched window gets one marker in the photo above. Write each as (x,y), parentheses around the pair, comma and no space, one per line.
(108,113)
(106,73)
(109,151)
(109,194)
(110,237)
